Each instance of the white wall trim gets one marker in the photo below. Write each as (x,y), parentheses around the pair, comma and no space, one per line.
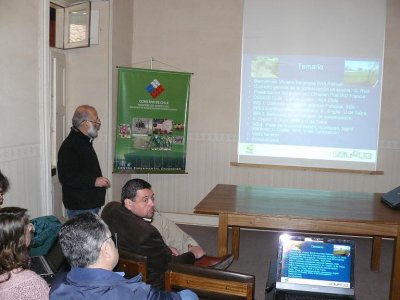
(44,109)
(110,148)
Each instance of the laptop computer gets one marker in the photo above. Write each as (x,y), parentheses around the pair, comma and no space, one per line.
(314,266)
(48,265)
(392,198)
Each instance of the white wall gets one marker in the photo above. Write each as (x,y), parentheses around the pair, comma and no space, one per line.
(199,36)
(122,15)
(20,102)
(205,38)
(88,83)
(21,105)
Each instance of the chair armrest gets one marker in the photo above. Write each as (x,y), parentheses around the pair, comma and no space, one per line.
(210,283)
(132,264)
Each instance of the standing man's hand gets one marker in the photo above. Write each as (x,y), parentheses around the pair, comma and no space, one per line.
(102,182)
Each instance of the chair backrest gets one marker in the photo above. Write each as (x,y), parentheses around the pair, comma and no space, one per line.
(210,283)
(132,264)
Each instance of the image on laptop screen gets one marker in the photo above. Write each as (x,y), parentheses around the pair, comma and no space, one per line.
(312,264)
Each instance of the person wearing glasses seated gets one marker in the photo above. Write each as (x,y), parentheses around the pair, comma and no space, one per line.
(16,280)
(132,218)
(83,185)
(4,185)
(89,247)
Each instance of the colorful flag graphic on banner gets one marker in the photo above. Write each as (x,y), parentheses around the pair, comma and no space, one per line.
(155,88)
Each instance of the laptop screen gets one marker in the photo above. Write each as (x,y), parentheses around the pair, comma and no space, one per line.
(312,264)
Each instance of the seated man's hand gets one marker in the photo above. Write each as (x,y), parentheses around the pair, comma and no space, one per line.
(174,251)
(197,251)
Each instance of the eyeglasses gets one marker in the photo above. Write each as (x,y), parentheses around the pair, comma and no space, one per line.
(114,238)
(94,122)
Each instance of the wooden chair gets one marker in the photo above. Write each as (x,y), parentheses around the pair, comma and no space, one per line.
(132,264)
(210,283)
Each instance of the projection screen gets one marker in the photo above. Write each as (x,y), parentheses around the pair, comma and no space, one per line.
(311,83)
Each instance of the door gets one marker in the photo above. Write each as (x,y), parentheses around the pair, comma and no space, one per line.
(58,122)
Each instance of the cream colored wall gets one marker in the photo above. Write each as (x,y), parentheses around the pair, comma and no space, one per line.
(204,37)
(121,56)
(21,107)
(20,102)
(19,72)
(88,83)
(390,121)
(199,36)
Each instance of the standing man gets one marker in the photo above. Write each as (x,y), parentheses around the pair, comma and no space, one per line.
(83,185)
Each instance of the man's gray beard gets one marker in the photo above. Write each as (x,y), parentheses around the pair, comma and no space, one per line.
(92,132)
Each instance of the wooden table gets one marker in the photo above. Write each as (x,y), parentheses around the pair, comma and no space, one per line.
(303,210)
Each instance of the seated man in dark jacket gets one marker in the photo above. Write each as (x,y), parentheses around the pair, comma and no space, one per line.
(131,220)
(89,247)
(138,235)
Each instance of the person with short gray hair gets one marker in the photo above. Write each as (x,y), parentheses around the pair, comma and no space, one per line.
(89,232)
(83,185)
(90,248)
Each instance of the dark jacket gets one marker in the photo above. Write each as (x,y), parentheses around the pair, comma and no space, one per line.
(100,284)
(78,168)
(139,236)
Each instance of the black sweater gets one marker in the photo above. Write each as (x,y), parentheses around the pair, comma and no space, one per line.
(78,168)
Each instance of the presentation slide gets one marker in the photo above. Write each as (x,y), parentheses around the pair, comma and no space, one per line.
(317,263)
(313,101)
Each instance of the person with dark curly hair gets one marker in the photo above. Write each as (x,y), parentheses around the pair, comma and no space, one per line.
(17,282)
(4,186)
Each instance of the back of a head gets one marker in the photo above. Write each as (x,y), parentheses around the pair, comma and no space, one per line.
(132,186)
(81,239)
(13,244)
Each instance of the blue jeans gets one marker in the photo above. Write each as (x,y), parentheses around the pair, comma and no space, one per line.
(188,295)
(74,212)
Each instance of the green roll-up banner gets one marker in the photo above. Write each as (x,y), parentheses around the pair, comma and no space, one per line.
(151,121)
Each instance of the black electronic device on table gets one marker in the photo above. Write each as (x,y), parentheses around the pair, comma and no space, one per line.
(392,198)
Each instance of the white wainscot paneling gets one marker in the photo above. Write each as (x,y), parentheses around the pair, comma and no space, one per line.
(208,163)
(21,165)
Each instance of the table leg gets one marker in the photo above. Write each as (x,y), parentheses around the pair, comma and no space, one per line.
(376,253)
(235,241)
(395,280)
(223,234)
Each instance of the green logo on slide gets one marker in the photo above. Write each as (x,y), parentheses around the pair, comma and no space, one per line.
(249,149)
